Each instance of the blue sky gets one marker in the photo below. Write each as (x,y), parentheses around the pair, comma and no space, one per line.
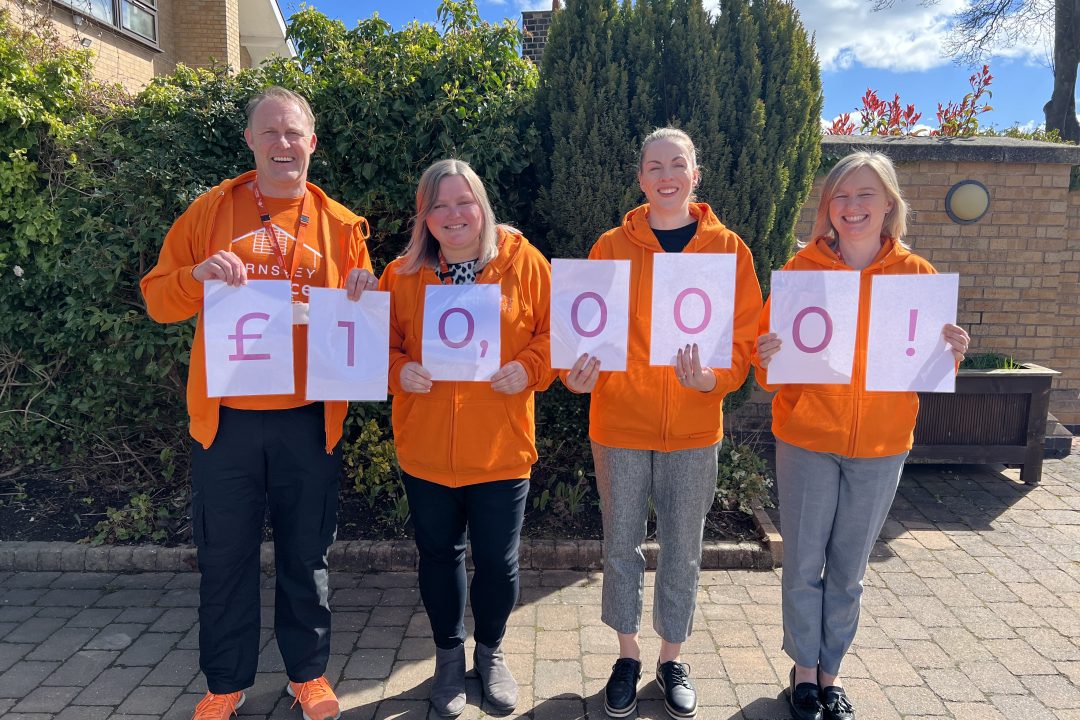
(897,50)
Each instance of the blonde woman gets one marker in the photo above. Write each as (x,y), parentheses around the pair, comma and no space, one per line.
(839,449)
(656,431)
(467,448)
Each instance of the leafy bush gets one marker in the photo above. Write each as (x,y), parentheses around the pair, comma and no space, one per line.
(93,178)
(743,478)
(370,460)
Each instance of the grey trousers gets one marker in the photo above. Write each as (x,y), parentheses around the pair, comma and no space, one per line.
(832,509)
(681,485)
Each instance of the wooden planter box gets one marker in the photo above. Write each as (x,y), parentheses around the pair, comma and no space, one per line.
(995,416)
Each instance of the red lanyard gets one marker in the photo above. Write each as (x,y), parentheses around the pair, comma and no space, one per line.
(271,236)
(444,271)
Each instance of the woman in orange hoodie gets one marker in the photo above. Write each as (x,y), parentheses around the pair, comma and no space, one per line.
(656,430)
(467,448)
(840,449)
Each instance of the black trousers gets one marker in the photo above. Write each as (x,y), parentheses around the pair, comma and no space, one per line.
(491,513)
(260,459)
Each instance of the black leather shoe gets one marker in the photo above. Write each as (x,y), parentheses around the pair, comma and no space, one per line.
(835,702)
(620,693)
(804,699)
(680,698)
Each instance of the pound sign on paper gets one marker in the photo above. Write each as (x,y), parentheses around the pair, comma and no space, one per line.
(239,336)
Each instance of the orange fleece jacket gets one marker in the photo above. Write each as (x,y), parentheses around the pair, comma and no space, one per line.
(645,408)
(465,433)
(846,419)
(173,295)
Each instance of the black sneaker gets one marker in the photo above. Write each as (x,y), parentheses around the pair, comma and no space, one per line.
(680,698)
(620,693)
(835,703)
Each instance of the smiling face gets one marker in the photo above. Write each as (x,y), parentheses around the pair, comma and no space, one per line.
(456,220)
(858,207)
(667,176)
(282,139)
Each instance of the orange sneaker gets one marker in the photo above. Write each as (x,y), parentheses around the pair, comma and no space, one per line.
(218,707)
(317,700)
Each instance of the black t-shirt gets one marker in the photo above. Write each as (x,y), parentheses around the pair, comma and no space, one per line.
(674,241)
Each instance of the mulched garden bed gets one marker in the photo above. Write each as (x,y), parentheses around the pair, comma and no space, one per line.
(51,507)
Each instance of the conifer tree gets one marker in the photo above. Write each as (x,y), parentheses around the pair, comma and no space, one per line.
(744,83)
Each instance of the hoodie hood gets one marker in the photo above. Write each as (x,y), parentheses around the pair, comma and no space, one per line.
(821,253)
(510,245)
(636,226)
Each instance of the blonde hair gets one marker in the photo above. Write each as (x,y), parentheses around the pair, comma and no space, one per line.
(276,92)
(423,248)
(895,225)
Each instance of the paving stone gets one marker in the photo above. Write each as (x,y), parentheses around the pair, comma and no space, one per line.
(81,668)
(94,617)
(368,663)
(22,677)
(34,630)
(84,597)
(111,686)
(47,699)
(1022,707)
(116,636)
(182,620)
(148,649)
(62,644)
(11,653)
(1053,691)
(915,701)
(952,685)
(84,712)
(16,611)
(139,615)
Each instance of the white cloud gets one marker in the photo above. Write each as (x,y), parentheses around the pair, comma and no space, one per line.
(908,36)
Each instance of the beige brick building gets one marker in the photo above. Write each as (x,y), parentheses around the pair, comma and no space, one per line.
(135,40)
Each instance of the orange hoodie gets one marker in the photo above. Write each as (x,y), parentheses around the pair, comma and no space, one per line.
(846,419)
(173,295)
(464,433)
(645,408)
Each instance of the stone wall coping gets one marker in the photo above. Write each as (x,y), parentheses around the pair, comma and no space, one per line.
(353,556)
(967,149)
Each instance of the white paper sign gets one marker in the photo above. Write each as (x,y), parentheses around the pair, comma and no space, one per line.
(693,301)
(590,311)
(906,350)
(348,357)
(816,316)
(249,338)
(462,331)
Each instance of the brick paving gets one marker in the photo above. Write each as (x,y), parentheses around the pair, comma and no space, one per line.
(971,611)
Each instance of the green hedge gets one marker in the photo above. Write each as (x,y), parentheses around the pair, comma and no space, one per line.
(90,386)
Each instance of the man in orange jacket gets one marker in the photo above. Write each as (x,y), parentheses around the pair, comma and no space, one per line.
(251,453)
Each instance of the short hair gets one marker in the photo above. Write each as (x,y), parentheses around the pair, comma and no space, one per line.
(423,248)
(895,225)
(671,134)
(276,92)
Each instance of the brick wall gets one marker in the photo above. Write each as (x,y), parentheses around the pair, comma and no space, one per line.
(535,23)
(208,30)
(1019,265)
(195,33)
